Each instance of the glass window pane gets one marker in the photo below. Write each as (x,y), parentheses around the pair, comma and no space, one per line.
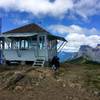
(41,41)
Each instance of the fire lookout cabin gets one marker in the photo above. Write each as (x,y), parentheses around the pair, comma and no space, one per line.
(29,43)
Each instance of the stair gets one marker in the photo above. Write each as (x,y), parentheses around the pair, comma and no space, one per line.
(39,63)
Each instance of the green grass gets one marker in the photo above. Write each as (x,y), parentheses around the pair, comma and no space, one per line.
(76,61)
(91,76)
(82,60)
(92,80)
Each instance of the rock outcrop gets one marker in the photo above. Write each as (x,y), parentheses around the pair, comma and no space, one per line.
(89,53)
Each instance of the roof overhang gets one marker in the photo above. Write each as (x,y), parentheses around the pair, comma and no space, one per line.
(57,37)
(25,35)
(18,35)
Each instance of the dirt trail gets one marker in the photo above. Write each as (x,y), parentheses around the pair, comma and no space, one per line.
(44,84)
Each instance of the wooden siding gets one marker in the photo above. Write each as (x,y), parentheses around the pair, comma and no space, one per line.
(19,55)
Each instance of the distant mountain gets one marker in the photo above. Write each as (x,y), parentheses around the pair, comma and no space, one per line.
(65,56)
(89,53)
(82,60)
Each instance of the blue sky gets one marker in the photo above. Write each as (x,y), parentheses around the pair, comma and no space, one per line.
(76,20)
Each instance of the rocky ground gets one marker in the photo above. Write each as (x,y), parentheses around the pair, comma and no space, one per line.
(70,82)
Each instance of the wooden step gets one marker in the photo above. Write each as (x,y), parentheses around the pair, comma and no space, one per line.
(39,63)
(40,60)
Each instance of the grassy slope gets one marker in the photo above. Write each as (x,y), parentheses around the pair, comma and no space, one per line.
(81,60)
(91,72)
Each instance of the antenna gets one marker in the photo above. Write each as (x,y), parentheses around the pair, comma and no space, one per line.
(0,25)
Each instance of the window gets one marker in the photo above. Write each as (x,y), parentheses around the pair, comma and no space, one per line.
(1,44)
(24,44)
(7,45)
(52,44)
(16,44)
(41,42)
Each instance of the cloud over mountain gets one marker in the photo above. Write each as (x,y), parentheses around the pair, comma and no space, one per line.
(77,36)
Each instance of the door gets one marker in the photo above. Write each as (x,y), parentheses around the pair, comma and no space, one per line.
(42,51)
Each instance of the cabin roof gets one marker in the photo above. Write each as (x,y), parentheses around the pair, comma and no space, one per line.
(29,29)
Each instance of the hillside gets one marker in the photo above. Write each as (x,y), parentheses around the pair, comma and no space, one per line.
(70,82)
(82,60)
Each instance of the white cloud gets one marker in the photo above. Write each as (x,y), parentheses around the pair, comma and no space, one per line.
(77,36)
(73,29)
(37,7)
(76,40)
(87,8)
(8,4)
(57,8)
